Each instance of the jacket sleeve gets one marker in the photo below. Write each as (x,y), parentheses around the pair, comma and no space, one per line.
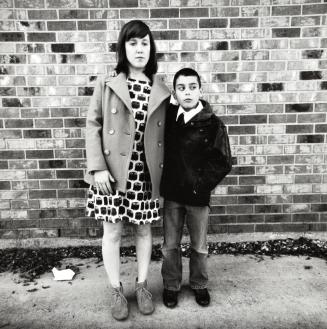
(218,160)
(94,154)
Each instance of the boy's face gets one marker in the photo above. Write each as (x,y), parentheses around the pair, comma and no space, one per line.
(187,92)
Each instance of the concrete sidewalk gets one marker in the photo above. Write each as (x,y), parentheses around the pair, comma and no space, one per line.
(247,293)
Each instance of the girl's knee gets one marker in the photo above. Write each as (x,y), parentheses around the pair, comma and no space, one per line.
(112,232)
(143,230)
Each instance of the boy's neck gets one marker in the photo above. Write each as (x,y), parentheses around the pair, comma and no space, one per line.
(188,110)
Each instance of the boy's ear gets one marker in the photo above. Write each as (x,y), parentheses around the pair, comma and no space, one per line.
(173,99)
(201,92)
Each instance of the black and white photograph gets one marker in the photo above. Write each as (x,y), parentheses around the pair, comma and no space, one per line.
(163,164)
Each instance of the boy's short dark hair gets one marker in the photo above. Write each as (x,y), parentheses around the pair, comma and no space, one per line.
(187,72)
(135,29)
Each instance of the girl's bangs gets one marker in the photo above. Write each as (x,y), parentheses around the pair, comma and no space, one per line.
(137,31)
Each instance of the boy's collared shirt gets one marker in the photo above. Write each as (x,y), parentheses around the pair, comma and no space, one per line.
(190,114)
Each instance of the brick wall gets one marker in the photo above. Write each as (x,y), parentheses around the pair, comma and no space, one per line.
(264,68)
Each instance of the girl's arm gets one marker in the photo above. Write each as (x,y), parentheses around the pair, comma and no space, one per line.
(96,163)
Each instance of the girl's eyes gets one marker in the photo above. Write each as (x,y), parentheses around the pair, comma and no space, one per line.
(134,43)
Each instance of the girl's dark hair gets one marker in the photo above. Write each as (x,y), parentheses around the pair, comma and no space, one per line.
(135,29)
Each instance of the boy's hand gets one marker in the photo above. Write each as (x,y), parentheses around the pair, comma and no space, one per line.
(103,180)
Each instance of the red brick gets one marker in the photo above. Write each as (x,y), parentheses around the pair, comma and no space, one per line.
(244,22)
(305,217)
(41,37)
(194,12)
(42,194)
(92,25)
(222,219)
(43,213)
(123,4)
(160,13)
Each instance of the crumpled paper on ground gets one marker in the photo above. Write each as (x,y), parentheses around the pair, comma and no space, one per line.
(61,275)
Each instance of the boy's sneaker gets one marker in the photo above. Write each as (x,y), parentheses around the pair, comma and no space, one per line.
(169,298)
(202,296)
(119,306)
(144,298)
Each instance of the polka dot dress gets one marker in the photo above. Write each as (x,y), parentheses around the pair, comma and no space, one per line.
(135,205)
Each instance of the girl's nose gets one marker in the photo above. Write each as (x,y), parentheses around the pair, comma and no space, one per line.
(139,48)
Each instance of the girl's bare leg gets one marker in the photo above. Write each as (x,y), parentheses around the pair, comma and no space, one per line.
(111,251)
(143,242)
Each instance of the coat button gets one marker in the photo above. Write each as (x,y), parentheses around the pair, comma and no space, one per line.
(194,192)
(123,154)
(159,144)
(111,131)
(114,110)
(161,165)
(206,140)
(127,133)
(106,152)
(159,123)
(192,123)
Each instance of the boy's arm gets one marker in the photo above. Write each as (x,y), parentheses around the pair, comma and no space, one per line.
(218,160)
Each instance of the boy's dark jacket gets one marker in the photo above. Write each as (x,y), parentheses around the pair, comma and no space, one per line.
(197,157)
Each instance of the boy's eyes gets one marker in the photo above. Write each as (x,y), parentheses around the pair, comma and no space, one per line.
(192,87)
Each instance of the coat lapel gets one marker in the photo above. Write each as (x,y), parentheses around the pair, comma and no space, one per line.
(119,86)
(159,92)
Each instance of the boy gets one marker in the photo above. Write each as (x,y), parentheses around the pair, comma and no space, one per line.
(197,158)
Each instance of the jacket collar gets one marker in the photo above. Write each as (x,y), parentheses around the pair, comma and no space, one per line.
(118,84)
(206,112)
(203,115)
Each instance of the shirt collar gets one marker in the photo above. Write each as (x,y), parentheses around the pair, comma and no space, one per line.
(190,114)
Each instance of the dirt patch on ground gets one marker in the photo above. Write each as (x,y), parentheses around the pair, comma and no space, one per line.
(31,263)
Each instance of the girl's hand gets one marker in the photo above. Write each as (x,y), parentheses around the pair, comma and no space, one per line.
(103,180)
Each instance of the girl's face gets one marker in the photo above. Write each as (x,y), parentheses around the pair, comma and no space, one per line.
(138,52)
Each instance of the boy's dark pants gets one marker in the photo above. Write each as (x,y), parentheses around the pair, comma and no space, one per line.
(196,218)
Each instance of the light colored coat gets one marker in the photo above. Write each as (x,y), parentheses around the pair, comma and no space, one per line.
(110,129)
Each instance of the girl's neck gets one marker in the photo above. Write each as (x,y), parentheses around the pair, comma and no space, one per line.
(137,74)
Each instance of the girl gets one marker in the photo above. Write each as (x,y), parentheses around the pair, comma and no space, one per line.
(124,149)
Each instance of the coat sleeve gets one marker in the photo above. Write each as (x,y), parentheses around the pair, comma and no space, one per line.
(218,160)
(94,123)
